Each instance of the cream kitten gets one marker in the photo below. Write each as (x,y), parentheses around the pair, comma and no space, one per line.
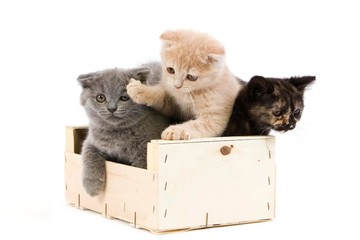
(196,86)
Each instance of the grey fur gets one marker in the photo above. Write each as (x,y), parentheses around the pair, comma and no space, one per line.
(119,129)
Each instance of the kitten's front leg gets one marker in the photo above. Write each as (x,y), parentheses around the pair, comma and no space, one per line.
(199,128)
(152,96)
(93,172)
(176,132)
(138,92)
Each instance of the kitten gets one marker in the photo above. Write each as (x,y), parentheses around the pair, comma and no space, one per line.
(119,129)
(268,103)
(196,86)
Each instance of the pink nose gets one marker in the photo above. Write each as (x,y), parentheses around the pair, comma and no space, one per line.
(177,84)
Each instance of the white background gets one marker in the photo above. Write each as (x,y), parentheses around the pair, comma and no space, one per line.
(45,45)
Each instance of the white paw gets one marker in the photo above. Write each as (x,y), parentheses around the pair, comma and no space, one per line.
(175,133)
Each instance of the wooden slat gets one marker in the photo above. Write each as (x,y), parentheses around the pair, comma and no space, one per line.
(130,192)
(200,187)
(75,137)
(212,139)
(69,137)
(188,184)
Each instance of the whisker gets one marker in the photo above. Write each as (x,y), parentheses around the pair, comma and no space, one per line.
(266,129)
(300,131)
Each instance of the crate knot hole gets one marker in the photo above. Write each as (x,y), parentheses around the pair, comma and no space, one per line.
(226,150)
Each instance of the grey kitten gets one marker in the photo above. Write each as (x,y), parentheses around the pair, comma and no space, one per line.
(119,129)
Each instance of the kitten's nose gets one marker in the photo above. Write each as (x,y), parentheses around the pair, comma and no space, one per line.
(178,83)
(112,107)
(291,126)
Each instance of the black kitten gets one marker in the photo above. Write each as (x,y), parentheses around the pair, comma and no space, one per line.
(268,103)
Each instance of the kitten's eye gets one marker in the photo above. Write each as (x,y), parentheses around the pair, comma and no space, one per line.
(170,70)
(100,98)
(191,77)
(277,113)
(124,98)
(297,112)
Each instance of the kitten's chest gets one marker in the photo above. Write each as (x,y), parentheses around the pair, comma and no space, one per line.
(193,105)
(119,143)
(188,104)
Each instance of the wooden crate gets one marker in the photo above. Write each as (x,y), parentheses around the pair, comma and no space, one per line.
(188,184)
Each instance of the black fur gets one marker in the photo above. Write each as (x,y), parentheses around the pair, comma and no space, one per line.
(265,104)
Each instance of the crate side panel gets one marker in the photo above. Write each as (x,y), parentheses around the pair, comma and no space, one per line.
(75,136)
(69,138)
(130,193)
(200,187)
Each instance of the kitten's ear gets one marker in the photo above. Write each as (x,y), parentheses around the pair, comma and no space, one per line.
(85,80)
(213,58)
(259,86)
(140,74)
(302,82)
(216,53)
(169,37)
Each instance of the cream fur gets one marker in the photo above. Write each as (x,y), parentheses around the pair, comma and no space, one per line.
(204,105)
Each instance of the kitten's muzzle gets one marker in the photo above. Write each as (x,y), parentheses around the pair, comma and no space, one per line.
(285,127)
(111,107)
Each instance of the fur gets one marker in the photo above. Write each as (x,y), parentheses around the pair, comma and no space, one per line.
(196,88)
(266,104)
(119,129)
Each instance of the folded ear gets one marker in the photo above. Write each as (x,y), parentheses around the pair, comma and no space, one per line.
(213,58)
(216,52)
(169,38)
(302,82)
(85,80)
(169,35)
(140,74)
(259,86)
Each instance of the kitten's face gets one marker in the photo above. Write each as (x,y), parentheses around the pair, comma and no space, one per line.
(284,112)
(277,103)
(105,99)
(191,61)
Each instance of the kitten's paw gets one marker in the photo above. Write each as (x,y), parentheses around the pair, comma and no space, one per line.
(175,133)
(94,186)
(137,91)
